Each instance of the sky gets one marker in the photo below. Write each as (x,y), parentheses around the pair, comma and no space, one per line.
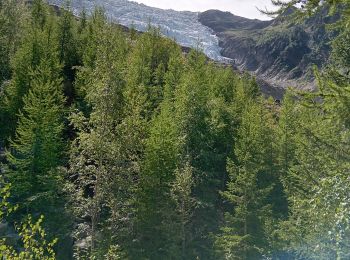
(245,8)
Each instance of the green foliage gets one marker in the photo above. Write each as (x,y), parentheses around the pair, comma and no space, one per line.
(114,253)
(171,156)
(35,245)
(181,193)
(68,40)
(103,162)
(39,13)
(251,180)
(12,18)
(37,45)
(32,235)
(37,147)
(314,130)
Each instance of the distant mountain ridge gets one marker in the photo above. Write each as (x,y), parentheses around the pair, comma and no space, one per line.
(279,51)
(184,26)
(221,21)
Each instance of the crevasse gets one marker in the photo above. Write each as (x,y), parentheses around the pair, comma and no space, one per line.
(182,26)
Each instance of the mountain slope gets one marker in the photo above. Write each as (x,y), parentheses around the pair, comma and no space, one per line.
(221,21)
(184,27)
(279,51)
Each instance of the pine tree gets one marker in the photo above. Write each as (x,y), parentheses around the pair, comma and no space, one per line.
(245,234)
(90,36)
(39,14)
(13,15)
(148,66)
(156,211)
(288,123)
(163,152)
(199,113)
(316,182)
(313,156)
(67,42)
(38,44)
(37,148)
(181,193)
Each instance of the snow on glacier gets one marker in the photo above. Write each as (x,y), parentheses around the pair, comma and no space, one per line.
(183,26)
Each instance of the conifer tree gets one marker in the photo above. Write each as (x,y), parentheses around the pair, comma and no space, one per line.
(181,193)
(245,234)
(13,15)
(288,124)
(99,166)
(38,44)
(67,42)
(39,14)
(316,182)
(93,35)
(37,148)
(199,117)
(148,65)
(156,211)
(163,152)
(90,35)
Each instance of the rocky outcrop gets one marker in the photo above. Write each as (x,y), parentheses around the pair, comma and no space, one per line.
(223,21)
(279,51)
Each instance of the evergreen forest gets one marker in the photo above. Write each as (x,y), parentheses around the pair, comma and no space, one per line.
(116,144)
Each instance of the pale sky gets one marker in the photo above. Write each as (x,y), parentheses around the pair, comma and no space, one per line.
(245,8)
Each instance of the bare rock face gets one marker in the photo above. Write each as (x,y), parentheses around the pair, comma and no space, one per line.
(279,51)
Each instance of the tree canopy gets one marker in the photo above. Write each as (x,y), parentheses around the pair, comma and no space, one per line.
(133,148)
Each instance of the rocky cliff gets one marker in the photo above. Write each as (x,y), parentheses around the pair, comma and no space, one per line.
(279,51)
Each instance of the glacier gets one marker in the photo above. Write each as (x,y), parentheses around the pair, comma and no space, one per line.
(182,26)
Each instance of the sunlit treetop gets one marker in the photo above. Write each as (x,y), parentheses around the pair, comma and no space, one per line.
(307,6)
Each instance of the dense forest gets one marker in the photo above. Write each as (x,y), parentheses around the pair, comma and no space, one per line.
(115,144)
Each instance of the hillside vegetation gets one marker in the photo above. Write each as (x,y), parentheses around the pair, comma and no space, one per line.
(117,145)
